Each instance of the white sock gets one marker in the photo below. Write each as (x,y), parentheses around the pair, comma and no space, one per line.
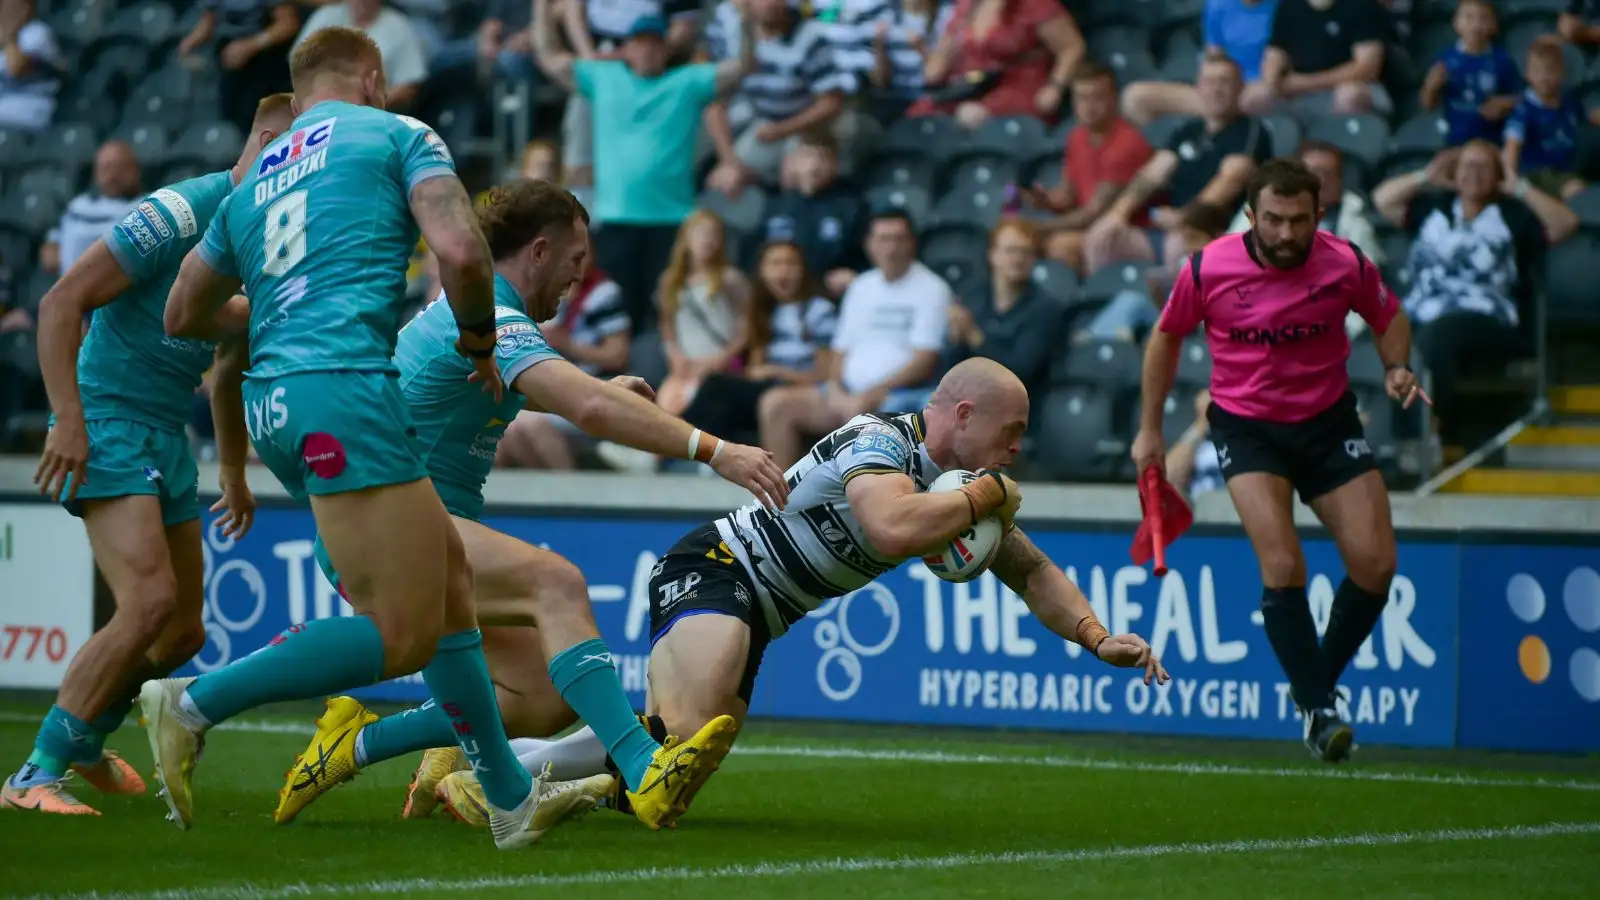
(578,755)
(191,715)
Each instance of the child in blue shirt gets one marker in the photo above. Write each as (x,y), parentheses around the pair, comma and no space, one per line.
(1476,81)
(1541,137)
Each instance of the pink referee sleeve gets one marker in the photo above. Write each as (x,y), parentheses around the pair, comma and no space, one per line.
(1373,300)
(1185,306)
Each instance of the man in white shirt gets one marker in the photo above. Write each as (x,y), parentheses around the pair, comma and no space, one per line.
(31,76)
(886,346)
(405,61)
(92,213)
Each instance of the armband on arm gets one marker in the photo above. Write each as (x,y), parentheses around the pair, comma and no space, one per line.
(704,451)
(985,494)
(477,338)
(1091,633)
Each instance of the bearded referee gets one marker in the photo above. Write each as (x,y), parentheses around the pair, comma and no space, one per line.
(1273,302)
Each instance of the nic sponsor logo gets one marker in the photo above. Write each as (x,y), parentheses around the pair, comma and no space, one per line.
(291,149)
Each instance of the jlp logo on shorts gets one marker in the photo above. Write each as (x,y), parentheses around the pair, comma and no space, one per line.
(675,592)
(1357,448)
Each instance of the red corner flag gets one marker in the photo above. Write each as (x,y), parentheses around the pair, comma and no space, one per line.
(1166,518)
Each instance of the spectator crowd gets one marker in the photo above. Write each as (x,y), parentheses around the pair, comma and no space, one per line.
(806,211)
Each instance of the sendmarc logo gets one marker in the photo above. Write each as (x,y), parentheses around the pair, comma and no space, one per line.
(1580,601)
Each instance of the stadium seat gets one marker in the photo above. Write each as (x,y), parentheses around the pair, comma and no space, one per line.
(173,81)
(1177,414)
(913,200)
(1075,438)
(87,109)
(1365,366)
(182,171)
(1364,138)
(1424,132)
(1017,137)
(1057,280)
(1286,134)
(1180,60)
(1182,14)
(1396,246)
(902,170)
(1113,365)
(17,246)
(1194,364)
(975,206)
(745,212)
(1114,278)
(45,179)
(14,145)
(1126,50)
(153,23)
(1431,40)
(980,171)
(647,358)
(71,145)
(1044,170)
(934,137)
(1569,281)
(1587,205)
(32,212)
(215,145)
(149,142)
(82,22)
(961,273)
(113,69)
(158,111)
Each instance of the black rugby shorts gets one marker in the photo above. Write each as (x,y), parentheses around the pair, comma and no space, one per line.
(698,576)
(1317,455)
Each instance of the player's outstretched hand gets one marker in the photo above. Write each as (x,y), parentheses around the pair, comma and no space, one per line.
(635,385)
(65,462)
(1401,383)
(1129,651)
(485,368)
(753,469)
(237,505)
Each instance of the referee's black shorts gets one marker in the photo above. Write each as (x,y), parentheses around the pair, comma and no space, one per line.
(1316,455)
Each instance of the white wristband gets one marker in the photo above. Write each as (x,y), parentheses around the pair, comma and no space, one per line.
(694,444)
(718,452)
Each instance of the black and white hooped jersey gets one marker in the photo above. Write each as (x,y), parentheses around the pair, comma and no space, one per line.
(815,549)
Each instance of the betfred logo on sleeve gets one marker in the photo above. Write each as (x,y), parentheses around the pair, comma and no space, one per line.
(288,150)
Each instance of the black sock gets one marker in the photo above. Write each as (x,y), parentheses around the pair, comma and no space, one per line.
(619,794)
(1287,616)
(1355,613)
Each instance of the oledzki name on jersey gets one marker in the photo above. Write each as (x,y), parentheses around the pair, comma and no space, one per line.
(302,153)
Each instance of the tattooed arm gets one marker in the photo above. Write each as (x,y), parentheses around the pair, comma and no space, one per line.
(444,213)
(1151,178)
(1063,609)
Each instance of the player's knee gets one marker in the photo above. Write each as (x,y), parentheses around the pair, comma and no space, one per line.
(556,586)
(178,644)
(149,608)
(1282,568)
(1374,568)
(405,654)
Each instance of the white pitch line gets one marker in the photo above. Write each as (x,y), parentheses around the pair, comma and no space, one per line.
(937,757)
(842,865)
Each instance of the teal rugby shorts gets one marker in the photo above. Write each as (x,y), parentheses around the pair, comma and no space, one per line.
(333,432)
(128,459)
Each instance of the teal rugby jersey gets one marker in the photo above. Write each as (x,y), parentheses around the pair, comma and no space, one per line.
(458,425)
(320,232)
(129,368)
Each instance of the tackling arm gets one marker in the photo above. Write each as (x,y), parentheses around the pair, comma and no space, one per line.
(609,412)
(197,297)
(227,402)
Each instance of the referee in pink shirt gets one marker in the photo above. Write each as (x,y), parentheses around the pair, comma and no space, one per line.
(1273,301)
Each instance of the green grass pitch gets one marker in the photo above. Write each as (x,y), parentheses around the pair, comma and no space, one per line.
(829,811)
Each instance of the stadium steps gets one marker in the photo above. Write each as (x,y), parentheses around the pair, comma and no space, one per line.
(1558,459)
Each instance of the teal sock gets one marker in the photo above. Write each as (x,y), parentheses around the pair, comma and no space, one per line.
(321,657)
(587,680)
(422,728)
(107,723)
(458,680)
(63,739)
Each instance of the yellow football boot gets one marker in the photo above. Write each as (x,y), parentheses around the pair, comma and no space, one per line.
(435,765)
(328,761)
(678,770)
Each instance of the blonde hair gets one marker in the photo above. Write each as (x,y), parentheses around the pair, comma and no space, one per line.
(680,265)
(347,52)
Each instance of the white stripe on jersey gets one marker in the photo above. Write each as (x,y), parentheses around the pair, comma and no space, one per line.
(815,549)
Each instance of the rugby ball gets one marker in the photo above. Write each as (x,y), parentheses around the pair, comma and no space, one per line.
(969,553)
